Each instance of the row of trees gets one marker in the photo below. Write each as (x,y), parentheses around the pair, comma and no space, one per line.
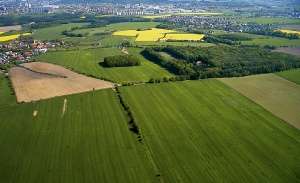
(121,61)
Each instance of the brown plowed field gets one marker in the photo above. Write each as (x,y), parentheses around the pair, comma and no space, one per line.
(35,81)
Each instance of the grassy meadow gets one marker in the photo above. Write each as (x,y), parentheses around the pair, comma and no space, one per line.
(291,75)
(87,62)
(203,130)
(277,95)
(54,32)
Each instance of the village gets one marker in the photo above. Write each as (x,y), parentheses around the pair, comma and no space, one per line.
(23,49)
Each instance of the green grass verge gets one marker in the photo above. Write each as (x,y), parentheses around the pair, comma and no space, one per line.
(87,62)
(291,75)
(278,95)
(203,130)
(90,142)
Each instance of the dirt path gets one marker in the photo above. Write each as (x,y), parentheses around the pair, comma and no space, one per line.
(64,107)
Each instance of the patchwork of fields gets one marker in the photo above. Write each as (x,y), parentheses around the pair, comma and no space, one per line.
(277,95)
(242,129)
(203,130)
(87,62)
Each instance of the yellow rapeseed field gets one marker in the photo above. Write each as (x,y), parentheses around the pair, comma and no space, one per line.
(290,31)
(184,37)
(11,37)
(155,34)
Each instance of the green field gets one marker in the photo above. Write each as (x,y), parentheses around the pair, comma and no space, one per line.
(268,20)
(6,95)
(203,130)
(90,142)
(87,62)
(272,41)
(278,95)
(292,75)
(54,32)
(117,26)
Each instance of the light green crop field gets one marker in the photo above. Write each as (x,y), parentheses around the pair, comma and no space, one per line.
(277,95)
(291,75)
(89,142)
(87,62)
(272,41)
(205,131)
(269,20)
(183,43)
(118,26)
(54,32)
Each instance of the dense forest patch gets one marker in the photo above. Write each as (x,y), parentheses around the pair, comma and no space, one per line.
(221,61)
(121,61)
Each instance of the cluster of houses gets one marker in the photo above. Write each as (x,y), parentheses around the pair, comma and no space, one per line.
(23,50)
(217,22)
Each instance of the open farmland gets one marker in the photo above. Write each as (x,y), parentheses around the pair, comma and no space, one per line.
(87,62)
(12,37)
(289,50)
(6,94)
(183,37)
(36,81)
(10,28)
(272,41)
(290,31)
(54,32)
(275,94)
(291,75)
(269,20)
(73,139)
(203,130)
(154,34)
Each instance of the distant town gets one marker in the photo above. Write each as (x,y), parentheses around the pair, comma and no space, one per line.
(125,9)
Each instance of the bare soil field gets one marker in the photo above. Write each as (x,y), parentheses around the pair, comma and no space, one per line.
(292,51)
(277,95)
(9,28)
(35,81)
